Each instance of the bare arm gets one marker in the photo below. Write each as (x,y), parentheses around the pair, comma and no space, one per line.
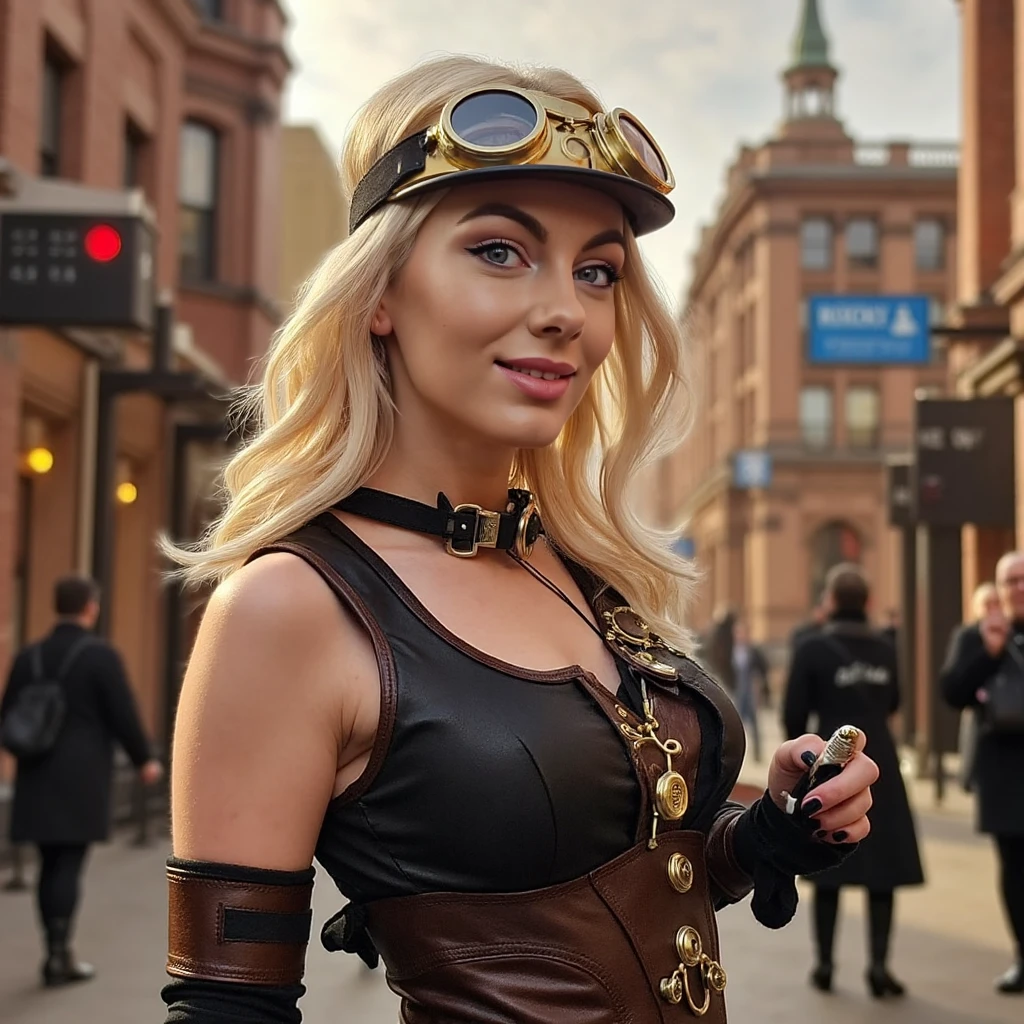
(262,719)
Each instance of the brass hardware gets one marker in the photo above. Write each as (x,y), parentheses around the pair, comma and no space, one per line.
(622,712)
(692,955)
(524,545)
(672,988)
(680,872)
(631,637)
(488,531)
(671,795)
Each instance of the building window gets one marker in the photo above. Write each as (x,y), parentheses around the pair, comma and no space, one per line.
(862,243)
(197,194)
(816,244)
(816,417)
(862,417)
(929,244)
(51,122)
(135,142)
(212,10)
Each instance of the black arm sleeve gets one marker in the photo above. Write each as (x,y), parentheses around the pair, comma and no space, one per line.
(968,668)
(119,710)
(799,699)
(774,848)
(192,1001)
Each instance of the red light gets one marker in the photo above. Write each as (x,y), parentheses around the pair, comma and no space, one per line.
(102,243)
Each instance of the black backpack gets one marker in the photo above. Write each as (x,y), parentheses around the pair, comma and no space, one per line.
(31,726)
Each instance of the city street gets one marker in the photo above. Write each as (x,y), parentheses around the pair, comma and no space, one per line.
(950,941)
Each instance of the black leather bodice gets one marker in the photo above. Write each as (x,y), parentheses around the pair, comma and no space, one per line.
(484,777)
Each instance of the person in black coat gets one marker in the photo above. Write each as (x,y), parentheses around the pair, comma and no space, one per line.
(846,674)
(979,654)
(62,799)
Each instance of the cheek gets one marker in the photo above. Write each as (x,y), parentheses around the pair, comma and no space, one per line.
(599,334)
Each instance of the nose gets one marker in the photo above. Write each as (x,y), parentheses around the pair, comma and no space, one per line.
(557,312)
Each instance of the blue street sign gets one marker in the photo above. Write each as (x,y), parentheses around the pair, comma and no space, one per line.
(868,329)
(751,469)
(685,547)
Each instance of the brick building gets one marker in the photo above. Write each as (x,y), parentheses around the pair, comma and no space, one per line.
(810,210)
(179,99)
(986,324)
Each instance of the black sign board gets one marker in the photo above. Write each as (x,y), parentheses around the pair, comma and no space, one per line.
(964,455)
(901,494)
(72,270)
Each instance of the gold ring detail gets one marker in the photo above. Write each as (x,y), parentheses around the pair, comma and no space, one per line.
(680,872)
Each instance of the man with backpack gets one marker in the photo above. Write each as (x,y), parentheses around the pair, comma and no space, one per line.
(66,703)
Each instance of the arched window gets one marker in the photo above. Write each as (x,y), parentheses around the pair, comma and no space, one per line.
(831,544)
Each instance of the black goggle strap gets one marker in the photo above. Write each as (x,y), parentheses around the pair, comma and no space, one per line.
(394,168)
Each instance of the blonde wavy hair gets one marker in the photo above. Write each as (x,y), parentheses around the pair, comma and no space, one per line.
(325,417)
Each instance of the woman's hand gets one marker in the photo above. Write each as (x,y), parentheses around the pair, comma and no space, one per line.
(838,807)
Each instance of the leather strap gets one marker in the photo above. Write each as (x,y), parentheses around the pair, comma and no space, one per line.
(409,157)
(464,527)
(237,924)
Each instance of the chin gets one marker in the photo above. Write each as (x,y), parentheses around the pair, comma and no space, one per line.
(534,429)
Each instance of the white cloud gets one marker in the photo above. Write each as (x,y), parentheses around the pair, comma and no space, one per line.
(703,76)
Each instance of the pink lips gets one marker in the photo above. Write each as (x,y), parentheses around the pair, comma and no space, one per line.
(538,387)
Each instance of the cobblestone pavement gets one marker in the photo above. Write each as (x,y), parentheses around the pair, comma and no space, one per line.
(950,941)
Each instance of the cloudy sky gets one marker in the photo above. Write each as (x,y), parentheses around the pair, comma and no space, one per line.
(702,74)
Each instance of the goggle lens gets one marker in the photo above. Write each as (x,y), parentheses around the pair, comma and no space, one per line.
(493,120)
(643,147)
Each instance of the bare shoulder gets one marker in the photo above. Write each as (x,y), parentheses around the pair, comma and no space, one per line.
(261,718)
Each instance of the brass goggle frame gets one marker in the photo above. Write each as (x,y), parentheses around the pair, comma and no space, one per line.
(565,134)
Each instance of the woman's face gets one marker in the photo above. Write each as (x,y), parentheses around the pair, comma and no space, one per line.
(503,312)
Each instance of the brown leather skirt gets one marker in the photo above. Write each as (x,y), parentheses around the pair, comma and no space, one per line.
(634,942)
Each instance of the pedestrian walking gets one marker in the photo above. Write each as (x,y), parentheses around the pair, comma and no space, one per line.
(750,681)
(847,673)
(66,702)
(985,672)
(810,627)
(442,656)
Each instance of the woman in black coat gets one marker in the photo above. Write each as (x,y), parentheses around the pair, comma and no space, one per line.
(62,799)
(846,675)
(979,654)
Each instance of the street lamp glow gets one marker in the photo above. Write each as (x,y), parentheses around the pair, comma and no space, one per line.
(127,492)
(39,460)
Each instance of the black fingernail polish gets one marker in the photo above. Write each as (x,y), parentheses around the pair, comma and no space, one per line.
(820,834)
(840,837)
(808,757)
(812,806)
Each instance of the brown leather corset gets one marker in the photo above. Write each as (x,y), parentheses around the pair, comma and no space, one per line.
(623,945)
(634,942)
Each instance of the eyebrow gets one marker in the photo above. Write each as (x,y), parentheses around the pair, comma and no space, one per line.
(534,226)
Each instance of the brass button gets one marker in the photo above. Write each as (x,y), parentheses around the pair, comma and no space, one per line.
(688,946)
(672,988)
(671,796)
(680,872)
(716,977)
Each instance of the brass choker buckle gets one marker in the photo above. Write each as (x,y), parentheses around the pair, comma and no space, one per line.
(473,527)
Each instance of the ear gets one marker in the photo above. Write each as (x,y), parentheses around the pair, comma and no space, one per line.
(380,322)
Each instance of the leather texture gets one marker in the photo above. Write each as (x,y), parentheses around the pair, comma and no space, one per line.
(196,943)
(591,951)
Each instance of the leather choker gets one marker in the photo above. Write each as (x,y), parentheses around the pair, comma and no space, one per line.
(464,528)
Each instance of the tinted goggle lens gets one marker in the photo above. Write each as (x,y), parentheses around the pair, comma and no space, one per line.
(493,120)
(643,147)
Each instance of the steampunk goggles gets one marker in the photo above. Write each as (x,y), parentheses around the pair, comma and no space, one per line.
(504,132)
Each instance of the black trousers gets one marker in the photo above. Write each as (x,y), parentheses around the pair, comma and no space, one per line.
(59,883)
(1011,870)
(826,912)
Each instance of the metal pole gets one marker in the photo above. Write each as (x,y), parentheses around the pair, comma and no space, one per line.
(908,633)
(103,501)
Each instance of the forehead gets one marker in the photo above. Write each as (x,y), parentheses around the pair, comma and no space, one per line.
(1011,567)
(558,205)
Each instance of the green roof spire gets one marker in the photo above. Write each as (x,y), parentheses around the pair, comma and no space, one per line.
(810,45)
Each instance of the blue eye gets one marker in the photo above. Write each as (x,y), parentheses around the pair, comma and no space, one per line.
(601,274)
(499,254)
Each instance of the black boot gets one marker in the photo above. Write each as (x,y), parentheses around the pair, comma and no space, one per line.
(882,983)
(1012,982)
(61,967)
(821,977)
(880,912)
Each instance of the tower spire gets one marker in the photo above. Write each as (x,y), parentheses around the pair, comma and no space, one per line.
(810,44)
(810,77)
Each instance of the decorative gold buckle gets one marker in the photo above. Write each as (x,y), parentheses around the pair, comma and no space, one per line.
(691,955)
(485,533)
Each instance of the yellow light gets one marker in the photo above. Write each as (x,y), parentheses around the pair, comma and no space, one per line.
(127,493)
(39,460)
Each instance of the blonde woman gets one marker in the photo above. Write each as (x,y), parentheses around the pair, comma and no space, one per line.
(444,658)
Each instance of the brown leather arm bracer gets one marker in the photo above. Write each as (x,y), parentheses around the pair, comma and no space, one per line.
(228,923)
(728,878)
